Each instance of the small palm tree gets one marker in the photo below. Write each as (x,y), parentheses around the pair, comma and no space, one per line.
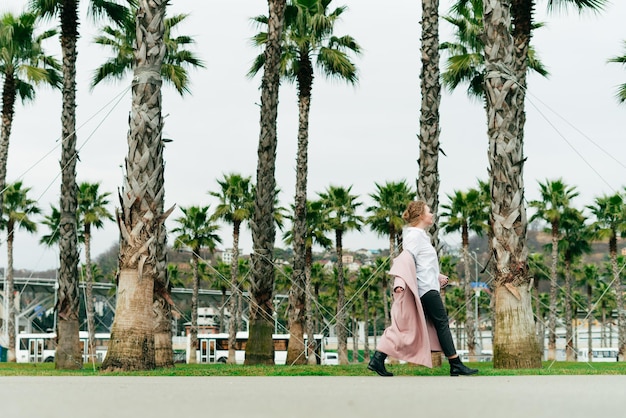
(556,197)
(17,213)
(466,213)
(236,206)
(120,39)
(92,212)
(577,244)
(317,227)
(341,208)
(196,232)
(23,65)
(610,222)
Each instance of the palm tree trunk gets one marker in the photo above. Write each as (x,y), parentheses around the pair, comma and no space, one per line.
(295,350)
(141,218)
(366,321)
(193,332)
(589,322)
(386,284)
(260,347)
(8,110)
(619,300)
(310,326)
(234,289)
(467,291)
(553,295)
(515,345)
(68,353)
(162,304)
(10,294)
(91,325)
(570,353)
(428,180)
(342,335)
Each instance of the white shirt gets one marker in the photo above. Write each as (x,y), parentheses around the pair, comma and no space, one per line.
(417,242)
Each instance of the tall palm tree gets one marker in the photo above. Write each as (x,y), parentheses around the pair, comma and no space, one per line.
(610,222)
(23,65)
(556,197)
(428,179)
(341,208)
(141,218)
(120,39)
(196,232)
(308,42)
(17,213)
(260,347)
(577,244)
(390,201)
(236,205)
(68,346)
(514,327)
(92,212)
(465,213)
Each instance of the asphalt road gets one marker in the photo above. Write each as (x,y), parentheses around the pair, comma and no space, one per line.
(258,397)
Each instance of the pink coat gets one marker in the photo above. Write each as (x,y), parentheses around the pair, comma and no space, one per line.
(410,337)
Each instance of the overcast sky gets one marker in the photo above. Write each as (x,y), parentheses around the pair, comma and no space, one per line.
(359,135)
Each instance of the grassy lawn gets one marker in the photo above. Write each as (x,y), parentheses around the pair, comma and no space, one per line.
(486,369)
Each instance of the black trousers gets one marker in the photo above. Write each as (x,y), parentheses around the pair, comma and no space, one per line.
(436,312)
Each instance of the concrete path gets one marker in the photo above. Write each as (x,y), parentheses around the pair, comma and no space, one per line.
(303,397)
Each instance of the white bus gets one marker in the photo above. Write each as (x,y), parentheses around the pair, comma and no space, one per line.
(603,354)
(213,348)
(41,347)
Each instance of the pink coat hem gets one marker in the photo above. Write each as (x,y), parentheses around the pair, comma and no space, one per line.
(410,337)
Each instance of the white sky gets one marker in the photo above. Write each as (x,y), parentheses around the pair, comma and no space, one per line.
(358,136)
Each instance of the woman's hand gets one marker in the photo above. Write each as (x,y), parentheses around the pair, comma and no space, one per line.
(443,281)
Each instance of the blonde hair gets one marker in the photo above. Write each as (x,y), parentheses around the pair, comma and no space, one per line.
(413,211)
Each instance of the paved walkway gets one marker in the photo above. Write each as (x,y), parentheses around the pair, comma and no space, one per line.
(302,397)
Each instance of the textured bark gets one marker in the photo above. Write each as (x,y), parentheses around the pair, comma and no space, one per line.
(9,292)
(68,355)
(342,334)
(553,295)
(260,347)
(295,350)
(469,296)
(162,305)
(619,299)
(193,332)
(91,325)
(234,290)
(8,110)
(428,180)
(570,352)
(310,323)
(141,217)
(515,345)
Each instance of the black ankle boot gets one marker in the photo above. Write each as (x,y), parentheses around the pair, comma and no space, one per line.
(377,364)
(457,368)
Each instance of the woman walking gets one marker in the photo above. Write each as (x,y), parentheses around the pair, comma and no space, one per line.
(418,260)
